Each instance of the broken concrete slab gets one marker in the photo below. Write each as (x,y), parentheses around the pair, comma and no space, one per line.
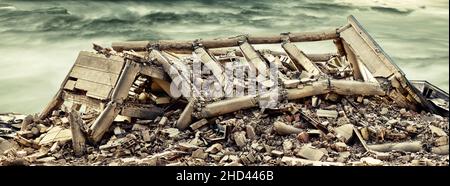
(344,131)
(310,153)
(198,124)
(56,134)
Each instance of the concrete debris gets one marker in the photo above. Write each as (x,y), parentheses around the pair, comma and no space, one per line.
(327,113)
(330,110)
(310,153)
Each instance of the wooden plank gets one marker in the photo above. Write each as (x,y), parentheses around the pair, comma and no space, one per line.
(300,60)
(94,75)
(99,62)
(94,90)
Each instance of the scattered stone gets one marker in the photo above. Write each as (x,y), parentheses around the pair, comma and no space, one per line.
(441,141)
(163,121)
(403,111)
(21,153)
(277,153)
(437,131)
(199,153)
(64,120)
(284,129)
(139,127)
(365,133)
(384,111)
(371,161)
(339,147)
(366,101)
(118,131)
(213,149)
(171,132)
(303,137)
(146,136)
(327,113)
(56,134)
(310,153)
(239,138)
(250,132)
(287,145)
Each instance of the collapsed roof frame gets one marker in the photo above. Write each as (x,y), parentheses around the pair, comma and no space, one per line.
(352,41)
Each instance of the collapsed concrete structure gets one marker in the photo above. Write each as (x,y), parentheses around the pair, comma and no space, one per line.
(146,82)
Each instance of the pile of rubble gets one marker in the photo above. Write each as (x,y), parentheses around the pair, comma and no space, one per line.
(144,103)
(369,132)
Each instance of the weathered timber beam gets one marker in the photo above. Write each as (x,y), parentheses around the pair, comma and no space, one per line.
(225,42)
(300,59)
(340,87)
